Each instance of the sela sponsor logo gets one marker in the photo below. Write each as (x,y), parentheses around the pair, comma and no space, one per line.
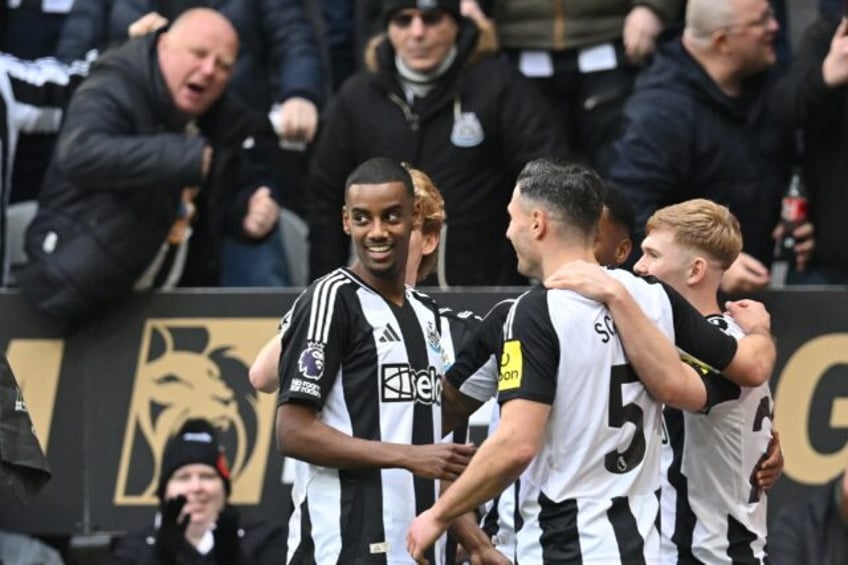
(311,361)
(400,383)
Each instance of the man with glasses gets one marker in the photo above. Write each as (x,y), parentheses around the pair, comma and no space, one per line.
(698,125)
(434,95)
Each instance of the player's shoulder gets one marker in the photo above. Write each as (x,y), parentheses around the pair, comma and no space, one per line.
(727,324)
(324,293)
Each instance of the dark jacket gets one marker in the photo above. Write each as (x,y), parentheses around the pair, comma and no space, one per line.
(113,187)
(684,138)
(810,531)
(260,543)
(475,173)
(278,54)
(822,112)
(553,25)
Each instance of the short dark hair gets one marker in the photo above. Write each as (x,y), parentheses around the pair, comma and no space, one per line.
(620,209)
(573,192)
(381,170)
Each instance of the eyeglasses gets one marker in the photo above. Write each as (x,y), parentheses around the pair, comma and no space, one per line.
(429,19)
(763,21)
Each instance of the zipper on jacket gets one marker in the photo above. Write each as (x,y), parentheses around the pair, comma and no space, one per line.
(411,117)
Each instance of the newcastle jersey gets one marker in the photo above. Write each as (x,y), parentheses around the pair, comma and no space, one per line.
(373,370)
(591,494)
(33,95)
(712,510)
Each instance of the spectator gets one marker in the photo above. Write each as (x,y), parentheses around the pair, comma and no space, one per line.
(147,176)
(195,524)
(278,70)
(698,125)
(813,97)
(30,29)
(366,459)
(435,96)
(812,530)
(33,96)
(584,57)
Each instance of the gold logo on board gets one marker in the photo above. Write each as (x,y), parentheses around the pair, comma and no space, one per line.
(197,368)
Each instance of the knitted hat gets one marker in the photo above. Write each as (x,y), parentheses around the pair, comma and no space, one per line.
(196,442)
(392,6)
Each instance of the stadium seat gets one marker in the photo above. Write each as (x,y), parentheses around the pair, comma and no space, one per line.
(295,234)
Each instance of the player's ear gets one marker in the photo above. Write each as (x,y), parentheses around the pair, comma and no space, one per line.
(622,251)
(697,270)
(345,220)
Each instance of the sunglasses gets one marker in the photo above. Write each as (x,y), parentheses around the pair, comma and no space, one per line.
(429,18)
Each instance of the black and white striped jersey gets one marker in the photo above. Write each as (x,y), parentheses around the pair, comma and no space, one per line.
(591,494)
(33,95)
(373,370)
(475,374)
(712,511)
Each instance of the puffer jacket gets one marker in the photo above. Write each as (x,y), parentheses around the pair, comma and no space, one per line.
(113,189)
(554,25)
(472,134)
(684,138)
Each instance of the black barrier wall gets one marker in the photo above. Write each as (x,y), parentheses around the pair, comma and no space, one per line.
(105,399)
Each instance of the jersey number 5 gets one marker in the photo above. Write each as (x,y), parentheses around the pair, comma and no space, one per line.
(616,461)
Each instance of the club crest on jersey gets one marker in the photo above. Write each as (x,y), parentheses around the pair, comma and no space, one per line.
(311,361)
(512,365)
(433,339)
(467,130)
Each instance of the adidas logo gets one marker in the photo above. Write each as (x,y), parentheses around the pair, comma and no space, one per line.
(389,335)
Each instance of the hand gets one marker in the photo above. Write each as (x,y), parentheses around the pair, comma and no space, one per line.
(750,315)
(805,242)
(583,277)
(746,274)
(170,536)
(444,461)
(226,536)
(771,467)
(148,23)
(835,64)
(641,28)
(298,120)
(423,532)
(471,9)
(262,213)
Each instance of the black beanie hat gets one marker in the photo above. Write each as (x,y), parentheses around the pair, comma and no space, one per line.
(392,6)
(196,442)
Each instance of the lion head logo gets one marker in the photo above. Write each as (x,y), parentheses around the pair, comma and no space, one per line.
(189,370)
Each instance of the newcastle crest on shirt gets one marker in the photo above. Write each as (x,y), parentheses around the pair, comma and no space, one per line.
(467,130)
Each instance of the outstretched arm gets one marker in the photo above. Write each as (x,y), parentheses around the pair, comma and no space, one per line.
(650,352)
(263,371)
(499,462)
